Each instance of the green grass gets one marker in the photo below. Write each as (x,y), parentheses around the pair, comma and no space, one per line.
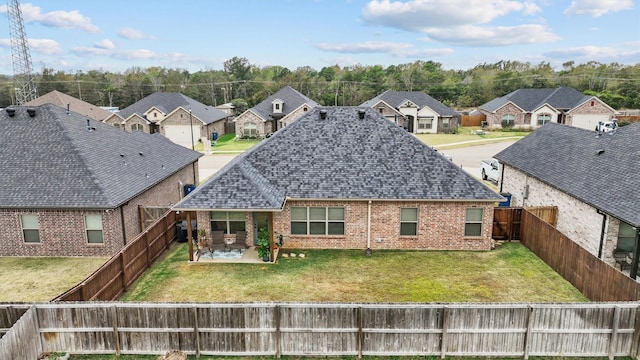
(35,279)
(204,357)
(510,273)
(466,134)
(228,142)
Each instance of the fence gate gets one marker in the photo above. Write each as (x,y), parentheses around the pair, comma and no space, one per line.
(149,215)
(506,223)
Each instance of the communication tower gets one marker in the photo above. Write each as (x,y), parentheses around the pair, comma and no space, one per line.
(24,78)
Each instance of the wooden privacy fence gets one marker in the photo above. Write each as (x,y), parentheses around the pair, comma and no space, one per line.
(121,270)
(507,220)
(472,120)
(9,314)
(522,330)
(596,279)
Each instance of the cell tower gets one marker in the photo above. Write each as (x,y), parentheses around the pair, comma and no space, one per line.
(22,69)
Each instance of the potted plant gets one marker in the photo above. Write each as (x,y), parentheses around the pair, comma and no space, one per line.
(263,244)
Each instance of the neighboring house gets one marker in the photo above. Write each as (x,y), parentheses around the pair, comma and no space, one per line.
(532,108)
(345,177)
(273,113)
(227,108)
(177,117)
(415,111)
(70,186)
(72,104)
(592,179)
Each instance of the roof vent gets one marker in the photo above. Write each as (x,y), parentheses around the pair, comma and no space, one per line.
(68,108)
(31,112)
(11,112)
(599,151)
(89,127)
(323,114)
(361,114)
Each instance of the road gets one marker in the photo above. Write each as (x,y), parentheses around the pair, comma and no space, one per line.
(467,158)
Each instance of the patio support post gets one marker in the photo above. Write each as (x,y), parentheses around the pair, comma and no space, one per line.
(189,237)
(271,250)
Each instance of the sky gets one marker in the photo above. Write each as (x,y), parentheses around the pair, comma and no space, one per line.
(195,35)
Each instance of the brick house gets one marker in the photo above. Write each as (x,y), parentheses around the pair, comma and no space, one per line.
(177,117)
(592,179)
(415,111)
(70,103)
(365,183)
(70,186)
(273,113)
(532,108)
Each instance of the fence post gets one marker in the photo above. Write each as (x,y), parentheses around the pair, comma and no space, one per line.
(636,334)
(123,268)
(614,331)
(360,334)
(116,334)
(527,335)
(196,330)
(278,334)
(445,324)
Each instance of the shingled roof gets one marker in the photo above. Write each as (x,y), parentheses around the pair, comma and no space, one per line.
(60,99)
(341,157)
(600,170)
(167,102)
(292,99)
(562,98)
(56,160)
(398,98)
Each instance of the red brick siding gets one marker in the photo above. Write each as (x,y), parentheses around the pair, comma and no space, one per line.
(586,108)
(495,120)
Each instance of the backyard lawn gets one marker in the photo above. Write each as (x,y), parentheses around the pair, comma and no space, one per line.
(228,143)
(35,279)
(511,273)
(467,135)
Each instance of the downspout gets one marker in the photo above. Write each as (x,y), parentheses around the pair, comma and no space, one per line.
(501,177)
(124,232)
(636,250)
(193,168)
(604,222)
(368,252)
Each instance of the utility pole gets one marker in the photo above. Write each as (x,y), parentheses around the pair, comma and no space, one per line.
(22,69)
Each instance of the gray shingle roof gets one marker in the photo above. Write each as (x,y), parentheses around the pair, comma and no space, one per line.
(397,98)
(292,100)
(168,102)
(340,157)
(567,158)
(51,160)
(562,98)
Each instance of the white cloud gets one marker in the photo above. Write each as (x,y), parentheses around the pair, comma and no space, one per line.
(105,44)
(597,8)
(56,19)
(622,53)
(493,36)
(42,46)
(132,34)
(382,47)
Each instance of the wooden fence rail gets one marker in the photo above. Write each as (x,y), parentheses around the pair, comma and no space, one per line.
(283,329)
(120,271)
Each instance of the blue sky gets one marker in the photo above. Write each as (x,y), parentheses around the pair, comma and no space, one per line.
(197,35)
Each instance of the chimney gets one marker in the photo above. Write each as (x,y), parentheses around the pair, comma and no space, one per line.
(323,114)
(361,113)
(11,112)
(31,112)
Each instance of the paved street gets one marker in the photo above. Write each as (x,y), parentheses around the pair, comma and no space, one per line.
(468,158)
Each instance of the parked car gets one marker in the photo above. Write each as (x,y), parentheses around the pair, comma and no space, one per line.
(606,126)
(490,170)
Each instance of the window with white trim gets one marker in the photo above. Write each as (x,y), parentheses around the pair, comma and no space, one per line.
(543,118)
(317,220)
(445,123)
(473,222)
(93,227)
(408,221)
(30,228)
(425,122)
(508,120)
(136,127)
(250,129)
(228,221)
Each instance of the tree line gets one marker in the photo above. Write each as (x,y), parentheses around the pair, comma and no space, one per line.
(245,84)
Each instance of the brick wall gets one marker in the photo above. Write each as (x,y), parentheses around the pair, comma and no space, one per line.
(249,116)
(62,232)
(594,106)
(495,120)
(577,220)
(294,115)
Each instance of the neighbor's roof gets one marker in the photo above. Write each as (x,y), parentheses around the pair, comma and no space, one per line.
(52,160)
(397,98)
(600,170)
(562,98)
(60,99)
(341,157)
(168,102)
(292,99)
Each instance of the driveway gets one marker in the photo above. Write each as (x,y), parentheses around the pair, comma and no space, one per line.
(467,158)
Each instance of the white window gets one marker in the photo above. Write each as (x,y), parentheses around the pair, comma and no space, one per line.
(227,221)
(93,226)
(408,222)
(136,127)
(317,221)
(473,222)
(425,123)
(543,118)
(445,123)
(250,130)
(508,120)
(30,228)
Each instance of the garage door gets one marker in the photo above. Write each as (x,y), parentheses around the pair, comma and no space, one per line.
(181,134)
(588,121)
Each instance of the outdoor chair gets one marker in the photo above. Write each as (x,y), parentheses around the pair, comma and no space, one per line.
(241,241)
(217,241)
(622,259)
